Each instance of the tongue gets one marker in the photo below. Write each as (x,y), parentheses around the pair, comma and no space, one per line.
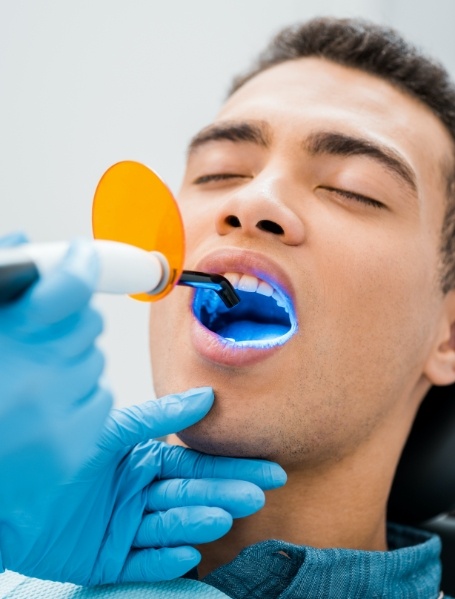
(247,330)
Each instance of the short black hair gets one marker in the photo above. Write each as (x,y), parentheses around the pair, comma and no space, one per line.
(382,51)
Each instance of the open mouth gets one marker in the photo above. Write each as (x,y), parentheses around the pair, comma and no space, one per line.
(264,317)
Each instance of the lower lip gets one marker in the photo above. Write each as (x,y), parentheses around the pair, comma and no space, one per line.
(214,348)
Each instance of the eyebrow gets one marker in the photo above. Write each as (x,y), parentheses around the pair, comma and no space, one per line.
(317,143)
(254,132)
(340,144)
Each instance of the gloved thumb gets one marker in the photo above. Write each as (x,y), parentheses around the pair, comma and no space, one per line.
(64,291)
(170,414)
(13,239)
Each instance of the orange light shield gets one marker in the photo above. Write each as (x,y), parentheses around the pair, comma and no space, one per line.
(133,205)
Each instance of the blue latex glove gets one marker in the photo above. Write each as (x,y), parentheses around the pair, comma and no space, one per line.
(52,409)
(133,511)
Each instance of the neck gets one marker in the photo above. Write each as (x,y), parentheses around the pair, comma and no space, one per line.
(316,509)
(341,503)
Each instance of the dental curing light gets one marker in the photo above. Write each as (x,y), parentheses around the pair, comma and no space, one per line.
(123,268)
(139,242)
(133,205)
(219,284)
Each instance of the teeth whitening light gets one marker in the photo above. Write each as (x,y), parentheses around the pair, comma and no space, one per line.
(139,240)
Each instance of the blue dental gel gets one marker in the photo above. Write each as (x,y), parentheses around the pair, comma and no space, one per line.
(257,321)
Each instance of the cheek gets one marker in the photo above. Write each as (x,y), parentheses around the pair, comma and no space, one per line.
(164,325)
(159,323)
(175,368)
(380,301)
(157,339)
(199,223)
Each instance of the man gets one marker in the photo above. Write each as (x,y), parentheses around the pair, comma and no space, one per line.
(327,180)
(325,191)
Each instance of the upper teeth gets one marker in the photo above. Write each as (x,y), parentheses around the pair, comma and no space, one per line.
(252,284)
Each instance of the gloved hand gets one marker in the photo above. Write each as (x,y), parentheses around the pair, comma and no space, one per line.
(131,513)
(52,409)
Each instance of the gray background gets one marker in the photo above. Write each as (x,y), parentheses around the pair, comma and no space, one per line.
(86,83)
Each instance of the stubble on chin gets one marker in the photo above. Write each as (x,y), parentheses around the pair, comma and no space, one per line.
(210,439)
(231,437)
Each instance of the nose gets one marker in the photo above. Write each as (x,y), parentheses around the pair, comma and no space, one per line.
(259,208)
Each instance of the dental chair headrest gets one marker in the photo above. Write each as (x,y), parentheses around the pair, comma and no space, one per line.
(424,485)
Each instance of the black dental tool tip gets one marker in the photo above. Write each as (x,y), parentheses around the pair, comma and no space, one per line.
(219,284)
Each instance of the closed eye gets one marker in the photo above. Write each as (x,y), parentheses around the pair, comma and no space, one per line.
(350,195)
(217,177)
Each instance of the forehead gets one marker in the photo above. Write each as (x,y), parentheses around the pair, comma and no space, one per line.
(309,93)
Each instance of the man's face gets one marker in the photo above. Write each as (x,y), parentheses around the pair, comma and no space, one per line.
(325,184)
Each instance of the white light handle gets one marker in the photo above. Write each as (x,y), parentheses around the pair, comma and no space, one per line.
(123,268)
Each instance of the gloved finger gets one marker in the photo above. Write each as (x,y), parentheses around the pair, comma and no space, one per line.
(154,565)
(156,418)
(77,432)
(56,383)
(13,239)
(78,379)
(238,497)
(64,291)
(183,526)
(178,462)
(82,335)
(73,336)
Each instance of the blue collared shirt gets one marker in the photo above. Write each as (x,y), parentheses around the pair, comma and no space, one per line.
(277,570)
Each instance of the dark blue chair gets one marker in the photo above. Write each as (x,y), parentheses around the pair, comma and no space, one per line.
(423,492)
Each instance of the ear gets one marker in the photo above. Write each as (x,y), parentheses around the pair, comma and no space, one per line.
(440,366)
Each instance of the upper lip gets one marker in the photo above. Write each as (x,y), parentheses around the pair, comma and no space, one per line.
(238,260)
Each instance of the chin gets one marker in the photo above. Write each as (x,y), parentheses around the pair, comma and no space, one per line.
(218,447)
(221,439)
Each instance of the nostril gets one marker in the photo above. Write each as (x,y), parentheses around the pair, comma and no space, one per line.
(233,221)
(270,227)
